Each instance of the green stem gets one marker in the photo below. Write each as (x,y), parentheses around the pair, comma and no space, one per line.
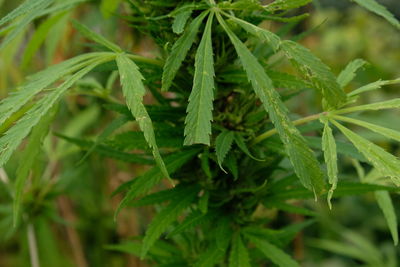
(301,121)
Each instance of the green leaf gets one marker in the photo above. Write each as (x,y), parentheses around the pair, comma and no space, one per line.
(203,202)
(144,183)
(200,107)
(316,71)
(239,256)
(348,74)
(387,164)
(373,86)
(266,36)
(193,219)
(303,160)
(389,104)
(179,51)
(386,205)
(28,158)
(24,8)
(276,255)
(389,133)
(91,35)
(181,18)
(134,91)
(380,10)
(108,7)
(239,140)
(167,216)
(223,144)
(210,257)
(330,156)
(161,196)
(39,81)
(14,136)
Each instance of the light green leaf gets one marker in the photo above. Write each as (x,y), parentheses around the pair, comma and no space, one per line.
(91,35)
(330,155)
(373,86)
(386,205)
(134,91)
(167,216)
(316,71)
(239,256)
(387,164)
(389,104)
(348,74)
(275,254)
(28,158)
(223,144)
(380,10)
(181,18)
(389,133)
(179,51)
(264,35)
(14,136)
(24,8)
(200,107)
(39,81)
(303,160)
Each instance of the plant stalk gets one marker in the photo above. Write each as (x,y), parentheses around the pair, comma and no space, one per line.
(33,251)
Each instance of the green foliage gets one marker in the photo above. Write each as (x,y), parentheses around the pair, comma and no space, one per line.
(212,80)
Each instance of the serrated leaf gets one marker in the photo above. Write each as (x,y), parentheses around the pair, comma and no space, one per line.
(389,104)
(239,140)
(373,86)
(389,133)
(232,165)
(387,164)
(348,74)
(164,219)
(144,183)
(14,136)
(134,91)
(179,51)
(210,257)
(161,196)
(181,18)
(91,35)
(264,35)
(275,254)
(380,10)
(223,144)
(303,160)
(26,7)
(330,156)
(386,205)
(41,80)
(192,220)
(316,71)
(200,107)
(239,256)
(28,158)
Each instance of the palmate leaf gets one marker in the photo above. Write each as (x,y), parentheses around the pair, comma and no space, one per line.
(303,160)
(386,205)
(200,107)
(167,216)
(330,156)
(14,136)
(387,164)
(193,219)
(134,91)
(239,256)
(223,144)
(316,71)
(179,51)
(275,254)
(348,74)
(39,81)
(380,10)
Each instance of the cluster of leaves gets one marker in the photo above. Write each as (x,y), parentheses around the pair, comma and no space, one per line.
(225,135)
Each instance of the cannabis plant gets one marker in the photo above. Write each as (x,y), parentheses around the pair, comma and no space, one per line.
(224,152)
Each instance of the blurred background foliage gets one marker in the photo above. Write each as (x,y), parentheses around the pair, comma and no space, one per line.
(74,214)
